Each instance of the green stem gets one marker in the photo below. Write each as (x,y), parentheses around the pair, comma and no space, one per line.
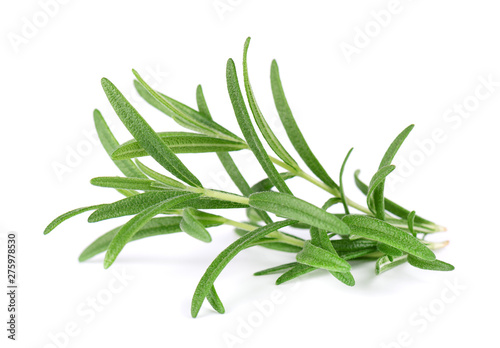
(299,172)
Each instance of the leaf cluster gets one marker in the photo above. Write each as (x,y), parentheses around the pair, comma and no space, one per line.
(174,201)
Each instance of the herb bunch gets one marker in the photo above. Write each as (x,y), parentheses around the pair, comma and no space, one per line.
(383,231)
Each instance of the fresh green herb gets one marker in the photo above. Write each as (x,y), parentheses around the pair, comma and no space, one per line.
(382,231)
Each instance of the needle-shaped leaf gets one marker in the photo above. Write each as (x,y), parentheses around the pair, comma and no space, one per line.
(320,258)
(331,202)
(320,239)
(371,199)
(267,185)
(266,131)
(214,300)
(125,234)
(193,227)
(253,141)
(127,193)
(182,114)
(378,196)
(346,245)
(227,162)
(180,142)
(146,136)
(278,246)
(276,269)
(135,204)
(435,265)
(125,183)
(291,207)
(110,144)
(411,223)
(154,227)
(297,271)
(352,255)
(389,250)
(293,131)
(159,177)
(61,218)
(341,187)
(221,261)
(202,103)
(389,205)
(381,231)
(273,243)
(383,264)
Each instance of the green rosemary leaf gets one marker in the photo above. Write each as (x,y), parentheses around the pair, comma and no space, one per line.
(266,131)
(435,265)
(320,258)
(267,185)
(381,231)
(154,227)
(276,269)
(248,130)
(180,142)
(124,183)
(351,255)
(61,218)
(383,264)
(371,199)
(389,250)
(278,246)
(146,136)
(341,187)
(295,272)
(331,202)
(215,301)
(159,177)
(378,196)
(286,205)
(182,114)
(346,245)
(202,103)
(110,144)
(324,242)
(272,243)
(125,234)
(227,162)
(390,206)
(127,193)
(132,205)
(225,257)
(193,227)
(135,204)
(293,131)
(411,222)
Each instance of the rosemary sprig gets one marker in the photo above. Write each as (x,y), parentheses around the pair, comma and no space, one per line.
(384,231)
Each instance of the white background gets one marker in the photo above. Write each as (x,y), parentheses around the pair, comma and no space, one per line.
(427,58)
